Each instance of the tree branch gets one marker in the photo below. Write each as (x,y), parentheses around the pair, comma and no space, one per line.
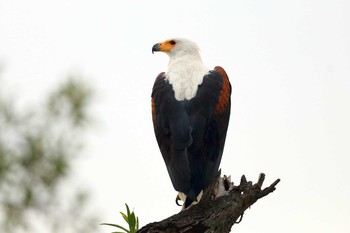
(222,205)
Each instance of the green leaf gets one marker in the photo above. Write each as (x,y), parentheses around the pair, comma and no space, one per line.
(125,217)
(127,209)
(115,225)
(132,222)
(137,223)
(130,218)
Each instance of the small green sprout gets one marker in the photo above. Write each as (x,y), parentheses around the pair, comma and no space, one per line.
(130,218)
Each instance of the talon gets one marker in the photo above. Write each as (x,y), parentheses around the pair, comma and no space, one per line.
(177,200)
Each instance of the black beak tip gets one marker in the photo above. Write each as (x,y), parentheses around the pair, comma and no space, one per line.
(155,48)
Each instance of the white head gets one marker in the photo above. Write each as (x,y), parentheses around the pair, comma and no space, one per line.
(177,47)
(185,70)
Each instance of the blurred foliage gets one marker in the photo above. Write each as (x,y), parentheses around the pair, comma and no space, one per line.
(130,218)
(37,149)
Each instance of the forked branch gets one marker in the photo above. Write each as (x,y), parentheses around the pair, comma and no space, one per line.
(222,206)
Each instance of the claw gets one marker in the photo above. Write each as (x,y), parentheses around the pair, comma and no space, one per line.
(177,200)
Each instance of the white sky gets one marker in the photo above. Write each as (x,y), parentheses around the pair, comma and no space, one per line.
(289,64)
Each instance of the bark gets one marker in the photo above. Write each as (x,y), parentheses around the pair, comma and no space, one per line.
(221,206)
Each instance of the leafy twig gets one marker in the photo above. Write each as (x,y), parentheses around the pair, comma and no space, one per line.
(129,218)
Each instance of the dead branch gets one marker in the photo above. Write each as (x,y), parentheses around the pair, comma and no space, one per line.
(222,206)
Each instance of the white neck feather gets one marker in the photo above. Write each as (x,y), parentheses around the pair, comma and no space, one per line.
(185,73)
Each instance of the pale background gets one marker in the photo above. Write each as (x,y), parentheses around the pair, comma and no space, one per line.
(289,65)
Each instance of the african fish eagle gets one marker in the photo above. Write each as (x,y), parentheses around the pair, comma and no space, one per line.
(190,112)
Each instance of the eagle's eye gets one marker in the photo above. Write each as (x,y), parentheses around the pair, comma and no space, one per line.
(172,42)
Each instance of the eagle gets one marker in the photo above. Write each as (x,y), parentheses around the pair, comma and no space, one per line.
(190,112)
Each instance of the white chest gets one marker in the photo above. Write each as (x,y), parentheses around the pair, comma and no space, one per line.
(185,78)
